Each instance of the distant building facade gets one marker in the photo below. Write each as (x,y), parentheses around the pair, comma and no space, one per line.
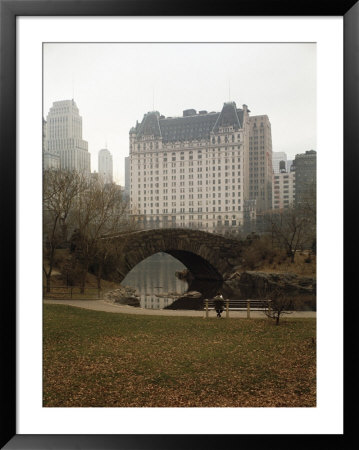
(260,162)
(289,164)
(50,160)
(194,171)
(249,217)
(105,165)
(276,158)
(283,189)
(127,176)
(64,138)
(305,166)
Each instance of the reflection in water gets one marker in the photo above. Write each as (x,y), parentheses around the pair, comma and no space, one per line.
(156,275)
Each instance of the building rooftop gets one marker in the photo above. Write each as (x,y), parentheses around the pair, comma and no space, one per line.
(191,126)
(306,154)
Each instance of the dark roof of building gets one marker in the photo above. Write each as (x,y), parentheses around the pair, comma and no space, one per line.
(149,125)
(189,127)
(308,154)
(229,116)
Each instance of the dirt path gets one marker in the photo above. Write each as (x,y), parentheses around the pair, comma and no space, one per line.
(101,305)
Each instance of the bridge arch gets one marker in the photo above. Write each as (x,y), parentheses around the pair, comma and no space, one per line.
(208,256)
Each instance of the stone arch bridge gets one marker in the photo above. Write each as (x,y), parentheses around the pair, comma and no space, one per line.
(207,256)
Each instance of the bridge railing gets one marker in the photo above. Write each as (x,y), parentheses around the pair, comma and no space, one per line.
(239,305)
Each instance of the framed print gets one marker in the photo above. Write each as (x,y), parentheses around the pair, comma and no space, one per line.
(125,77)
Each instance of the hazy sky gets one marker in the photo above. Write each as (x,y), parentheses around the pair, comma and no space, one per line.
(115,84)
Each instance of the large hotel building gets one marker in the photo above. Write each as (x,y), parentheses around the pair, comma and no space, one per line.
(200,170)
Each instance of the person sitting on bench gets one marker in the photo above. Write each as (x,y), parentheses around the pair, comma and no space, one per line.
(219,304)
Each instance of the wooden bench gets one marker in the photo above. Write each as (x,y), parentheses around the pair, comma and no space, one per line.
(239,305)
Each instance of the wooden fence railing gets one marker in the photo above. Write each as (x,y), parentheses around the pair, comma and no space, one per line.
(70,292)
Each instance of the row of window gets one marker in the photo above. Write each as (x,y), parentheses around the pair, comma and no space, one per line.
(191,177)
(175,190)
(155,147)
(183,190)
(226,139)
(182,210)
(182,203)
(143,170)
(211,217)
(188,196)
(220,159)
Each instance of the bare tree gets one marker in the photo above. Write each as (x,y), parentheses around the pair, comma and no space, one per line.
(100,213)
(108,245)
(308,208)
(280,304)
(291,229)
(60,189)
(309,200)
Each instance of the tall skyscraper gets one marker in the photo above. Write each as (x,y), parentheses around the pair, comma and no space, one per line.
(50,160)
(193,171)
(64,137)
(260,162)
(105,165)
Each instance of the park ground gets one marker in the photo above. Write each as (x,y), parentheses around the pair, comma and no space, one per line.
(101,359)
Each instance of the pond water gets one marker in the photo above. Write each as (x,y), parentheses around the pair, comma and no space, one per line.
(153,278)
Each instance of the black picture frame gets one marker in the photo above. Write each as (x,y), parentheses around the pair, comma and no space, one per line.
(9,10)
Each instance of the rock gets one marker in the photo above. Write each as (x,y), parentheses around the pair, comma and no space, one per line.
(123,296)
(234,276)
(129,301)
(231,289)
(188,300)
(168,295)
(252,284)
(187,303)
(192,294)
(184,274)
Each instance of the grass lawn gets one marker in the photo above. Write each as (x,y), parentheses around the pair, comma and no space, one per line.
(103,359)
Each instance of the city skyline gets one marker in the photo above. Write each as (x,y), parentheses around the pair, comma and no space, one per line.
(114,85)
